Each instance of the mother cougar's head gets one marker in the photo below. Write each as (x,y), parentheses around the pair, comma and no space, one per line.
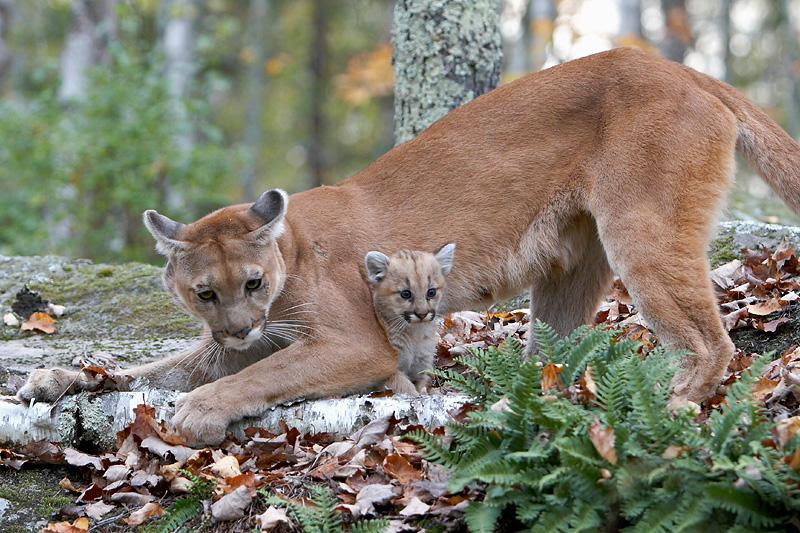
(226,268)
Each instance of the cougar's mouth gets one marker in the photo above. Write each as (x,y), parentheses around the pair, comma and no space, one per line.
(240,344)
(240,340)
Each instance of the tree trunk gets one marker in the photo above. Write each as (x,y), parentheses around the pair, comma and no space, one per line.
(445,54)
(6,56)
(678,32)
(94,420)
(515,47)
(541,21)
(254,128)
(725,30)
(630,23)
(791,63)
(318,67)
(93,28)
(179,57)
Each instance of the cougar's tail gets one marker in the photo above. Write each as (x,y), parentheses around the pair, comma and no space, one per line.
(769,149)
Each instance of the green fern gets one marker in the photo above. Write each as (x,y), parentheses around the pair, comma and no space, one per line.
(535,456)
(184,509)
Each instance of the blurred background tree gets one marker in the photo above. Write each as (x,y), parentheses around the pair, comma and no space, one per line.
(109,107)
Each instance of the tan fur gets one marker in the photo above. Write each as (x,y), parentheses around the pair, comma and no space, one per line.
(407,311)
(619,160)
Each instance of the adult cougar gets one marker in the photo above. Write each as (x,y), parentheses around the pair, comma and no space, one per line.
(617,161)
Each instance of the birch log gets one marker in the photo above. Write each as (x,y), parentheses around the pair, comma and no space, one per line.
(94,419)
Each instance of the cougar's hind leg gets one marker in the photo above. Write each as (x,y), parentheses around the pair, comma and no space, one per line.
(568,295)
(655,231)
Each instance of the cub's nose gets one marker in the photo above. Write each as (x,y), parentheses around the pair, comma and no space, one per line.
(421,316)
(242,333)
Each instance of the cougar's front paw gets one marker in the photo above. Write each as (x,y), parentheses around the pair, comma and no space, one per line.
(47,385)
(203,415)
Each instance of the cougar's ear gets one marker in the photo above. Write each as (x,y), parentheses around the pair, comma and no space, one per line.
(376,264)
(445,257)
(270,208)
(164,231)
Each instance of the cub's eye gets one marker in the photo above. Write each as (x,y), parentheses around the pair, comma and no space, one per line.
(252,284)
(206,295)
(431,293)
(405,294)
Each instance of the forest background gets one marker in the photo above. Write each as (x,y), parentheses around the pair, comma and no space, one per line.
(110,107)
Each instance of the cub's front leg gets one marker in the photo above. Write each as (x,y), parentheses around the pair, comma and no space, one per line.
(332,363)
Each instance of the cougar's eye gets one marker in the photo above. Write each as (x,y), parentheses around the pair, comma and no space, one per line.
(206,295)
(253,284)
(431,293)
(405,294)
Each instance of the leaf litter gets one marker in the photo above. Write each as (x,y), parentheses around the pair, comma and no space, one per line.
(377,472)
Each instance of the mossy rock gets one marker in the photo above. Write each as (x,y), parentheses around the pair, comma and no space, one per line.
(122,310)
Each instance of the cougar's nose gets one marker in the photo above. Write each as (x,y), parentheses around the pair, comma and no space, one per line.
(242,333)
(421,316)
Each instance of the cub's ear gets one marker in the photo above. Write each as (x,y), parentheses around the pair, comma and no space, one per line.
(376,264)
(270,208)
(445,257)
(164,231)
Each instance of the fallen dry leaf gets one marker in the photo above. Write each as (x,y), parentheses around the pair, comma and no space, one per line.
(98,510)
(131,498)
(80,525)
(232,506)
(765,308)
(415,507)
(786,429)
(603,440)
(178,452)
(763,387)
(12,459)
(771,326)
(270,518)
(368,497)
(40,322)
(44,452)
(550,374)
(116,472)
(400,469)
(227,466)
(77,458)
(67,485)
(148,511)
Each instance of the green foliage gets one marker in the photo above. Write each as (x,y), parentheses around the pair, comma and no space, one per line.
(322,516)
(533,453)
(184,509)
(78,177)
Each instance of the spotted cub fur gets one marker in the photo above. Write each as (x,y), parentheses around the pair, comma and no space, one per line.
(407,289)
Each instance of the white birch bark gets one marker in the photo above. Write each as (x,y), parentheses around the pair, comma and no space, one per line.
(95,419)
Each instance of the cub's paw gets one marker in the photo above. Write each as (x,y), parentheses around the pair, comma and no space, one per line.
(47,385)
(203,416)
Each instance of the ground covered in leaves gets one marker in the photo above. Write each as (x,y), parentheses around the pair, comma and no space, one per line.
(271,481)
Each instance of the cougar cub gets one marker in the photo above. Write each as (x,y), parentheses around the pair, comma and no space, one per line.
(406,291)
